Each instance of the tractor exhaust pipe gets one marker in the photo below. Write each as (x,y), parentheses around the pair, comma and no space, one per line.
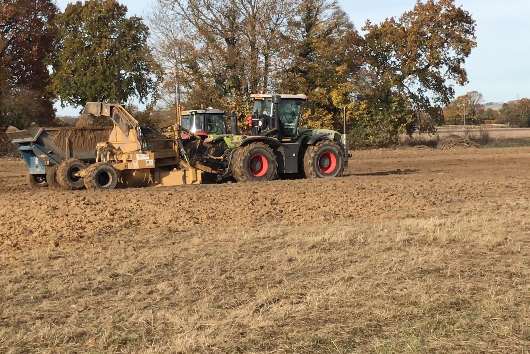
(233,124)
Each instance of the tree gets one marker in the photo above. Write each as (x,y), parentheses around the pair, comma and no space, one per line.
(398,73)
(490,116)
(27,34)
(420,55)
(323,59)
(220,51)
(516,113)
(467,109)
(102,55)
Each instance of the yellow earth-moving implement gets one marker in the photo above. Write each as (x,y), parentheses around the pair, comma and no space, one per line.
(132,156)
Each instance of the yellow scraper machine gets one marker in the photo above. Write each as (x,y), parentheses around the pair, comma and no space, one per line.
(134,155)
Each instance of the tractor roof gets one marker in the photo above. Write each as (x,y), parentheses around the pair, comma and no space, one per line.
(261,96)
(203,111)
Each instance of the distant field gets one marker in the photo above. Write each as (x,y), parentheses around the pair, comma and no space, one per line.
(414,251)
(494,133)
(489,136)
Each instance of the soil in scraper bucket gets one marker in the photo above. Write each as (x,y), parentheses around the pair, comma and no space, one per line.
(81,139)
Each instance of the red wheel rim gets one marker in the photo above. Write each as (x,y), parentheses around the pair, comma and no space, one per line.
(327,162)
(259,165)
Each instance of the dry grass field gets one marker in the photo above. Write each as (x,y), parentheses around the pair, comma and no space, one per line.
(413,251)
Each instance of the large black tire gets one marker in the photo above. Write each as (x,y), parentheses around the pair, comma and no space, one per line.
(100,176)
(66,174)
(254,162)
(324,159)
(36,181)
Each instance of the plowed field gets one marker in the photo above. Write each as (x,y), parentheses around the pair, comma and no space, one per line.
(413,251)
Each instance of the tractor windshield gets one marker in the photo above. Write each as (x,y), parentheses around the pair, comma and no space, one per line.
(289,113)
(214,124)
(263,108)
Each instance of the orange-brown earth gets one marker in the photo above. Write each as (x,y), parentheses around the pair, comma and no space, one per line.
(414,250)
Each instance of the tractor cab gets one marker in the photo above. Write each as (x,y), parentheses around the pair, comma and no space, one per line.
(204,122)
(277,115)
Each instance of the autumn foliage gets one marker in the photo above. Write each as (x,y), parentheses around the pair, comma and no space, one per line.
(384,77)
(27,34)
(389,78)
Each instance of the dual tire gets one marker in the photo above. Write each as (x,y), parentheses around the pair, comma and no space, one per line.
(97,176)
(37,181)
(67,174)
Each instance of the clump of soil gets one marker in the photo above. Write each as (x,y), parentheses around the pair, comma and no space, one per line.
(456,141)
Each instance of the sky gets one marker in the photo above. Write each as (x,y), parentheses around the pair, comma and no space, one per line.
(498,67)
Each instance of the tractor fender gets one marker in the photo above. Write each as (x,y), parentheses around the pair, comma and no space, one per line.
(272,142)
(317,138)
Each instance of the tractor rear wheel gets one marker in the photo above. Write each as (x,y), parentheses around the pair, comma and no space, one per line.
(255,162)
(100,176)
(36,181)
(67,174)
(324,159)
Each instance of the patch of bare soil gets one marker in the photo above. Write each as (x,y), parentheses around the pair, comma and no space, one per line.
(412,251)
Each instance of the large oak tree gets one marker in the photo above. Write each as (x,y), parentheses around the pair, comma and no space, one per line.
(102,55)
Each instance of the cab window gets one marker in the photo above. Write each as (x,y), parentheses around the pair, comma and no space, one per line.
(263,107)
(215,124)
(289,113)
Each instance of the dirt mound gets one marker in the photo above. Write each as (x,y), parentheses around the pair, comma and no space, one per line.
(456,141)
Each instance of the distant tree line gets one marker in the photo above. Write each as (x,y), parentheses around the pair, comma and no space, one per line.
(388,78)
(470,109)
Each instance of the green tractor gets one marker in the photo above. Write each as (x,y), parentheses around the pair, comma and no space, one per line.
(276,146)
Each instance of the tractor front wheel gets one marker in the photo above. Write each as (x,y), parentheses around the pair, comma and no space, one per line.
(100,176)
(254,162)
(67,174)
(324,159)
